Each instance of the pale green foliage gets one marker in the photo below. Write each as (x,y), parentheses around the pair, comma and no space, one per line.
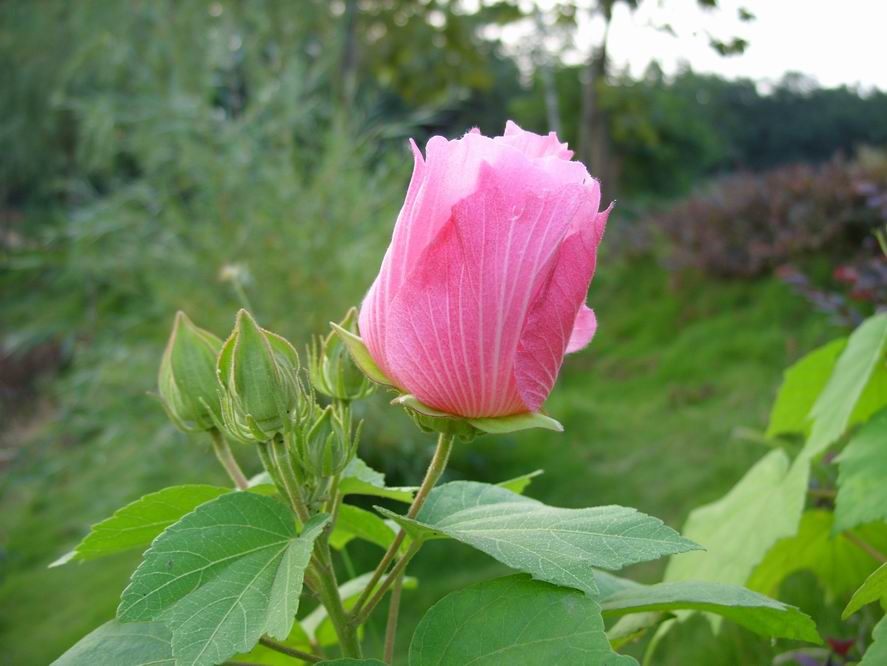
(222,576)
(355,523)
(765,616)
(522,533)
(838,563)
(862,477)
(802,384)
(513,620)
(116,644)
(738,529)
(520,483)
(876,654)
(855,389)
(874,588)
(138,523)
(361,479)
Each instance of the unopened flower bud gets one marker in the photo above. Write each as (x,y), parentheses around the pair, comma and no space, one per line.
(327,445)
(332,370)
(258,372)
(187,378)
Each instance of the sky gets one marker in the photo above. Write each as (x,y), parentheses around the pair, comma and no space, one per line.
(833,41)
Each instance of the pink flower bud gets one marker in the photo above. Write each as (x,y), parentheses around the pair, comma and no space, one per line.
(482,290)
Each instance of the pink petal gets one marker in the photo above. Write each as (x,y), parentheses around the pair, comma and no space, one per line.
(553,316)
(583,329)
(455,324)
(534,145)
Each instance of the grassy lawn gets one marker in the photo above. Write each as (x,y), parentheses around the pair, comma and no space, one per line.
(654,413)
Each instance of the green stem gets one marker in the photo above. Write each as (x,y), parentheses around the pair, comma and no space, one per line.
(435,468)
(329,597)
(391,626)
(223,453)
(393,576)
(287,650)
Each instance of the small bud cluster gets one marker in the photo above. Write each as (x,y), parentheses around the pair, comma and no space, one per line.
(251,389)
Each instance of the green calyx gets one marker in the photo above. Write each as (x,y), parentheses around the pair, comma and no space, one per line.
(257,373)
(332,370)
(430,419)
(187,378)
(326,444)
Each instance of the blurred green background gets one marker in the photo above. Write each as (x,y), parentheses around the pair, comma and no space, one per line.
(161,155)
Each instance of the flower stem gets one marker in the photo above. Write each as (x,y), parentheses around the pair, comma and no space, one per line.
(223,453)
(432,475)
(287,650)
(855,539)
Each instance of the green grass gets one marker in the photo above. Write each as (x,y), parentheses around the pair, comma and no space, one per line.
(653,412)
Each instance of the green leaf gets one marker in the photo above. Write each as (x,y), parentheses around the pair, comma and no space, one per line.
(355,523)
(753,611)
(876,654)
(629,628)
(738,529)
(115,644)
(361,479)
(557,545)
(516,422)
(874,588)
(222,576)
(138,523)
(513,620)
(354,662)
(803,383)
(520,483)
(361,356)
(845,400)
(862,476)
(317,625)
(837,562)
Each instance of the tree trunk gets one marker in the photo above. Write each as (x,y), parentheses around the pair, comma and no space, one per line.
(549,89)
(594,131)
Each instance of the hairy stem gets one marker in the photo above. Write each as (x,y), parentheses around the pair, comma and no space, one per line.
(432,475)
(329,597)
(287,650)
(391,626)
(223,453)
(393,576)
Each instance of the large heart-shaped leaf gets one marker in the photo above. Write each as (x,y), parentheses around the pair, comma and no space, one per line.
(862,490)
(738,529)
(222,576)
(513,620)
(139,522)
(561,546)
(115,644)
(763,615)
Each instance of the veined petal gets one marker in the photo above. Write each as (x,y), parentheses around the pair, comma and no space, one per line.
(553,316)
(454,326)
